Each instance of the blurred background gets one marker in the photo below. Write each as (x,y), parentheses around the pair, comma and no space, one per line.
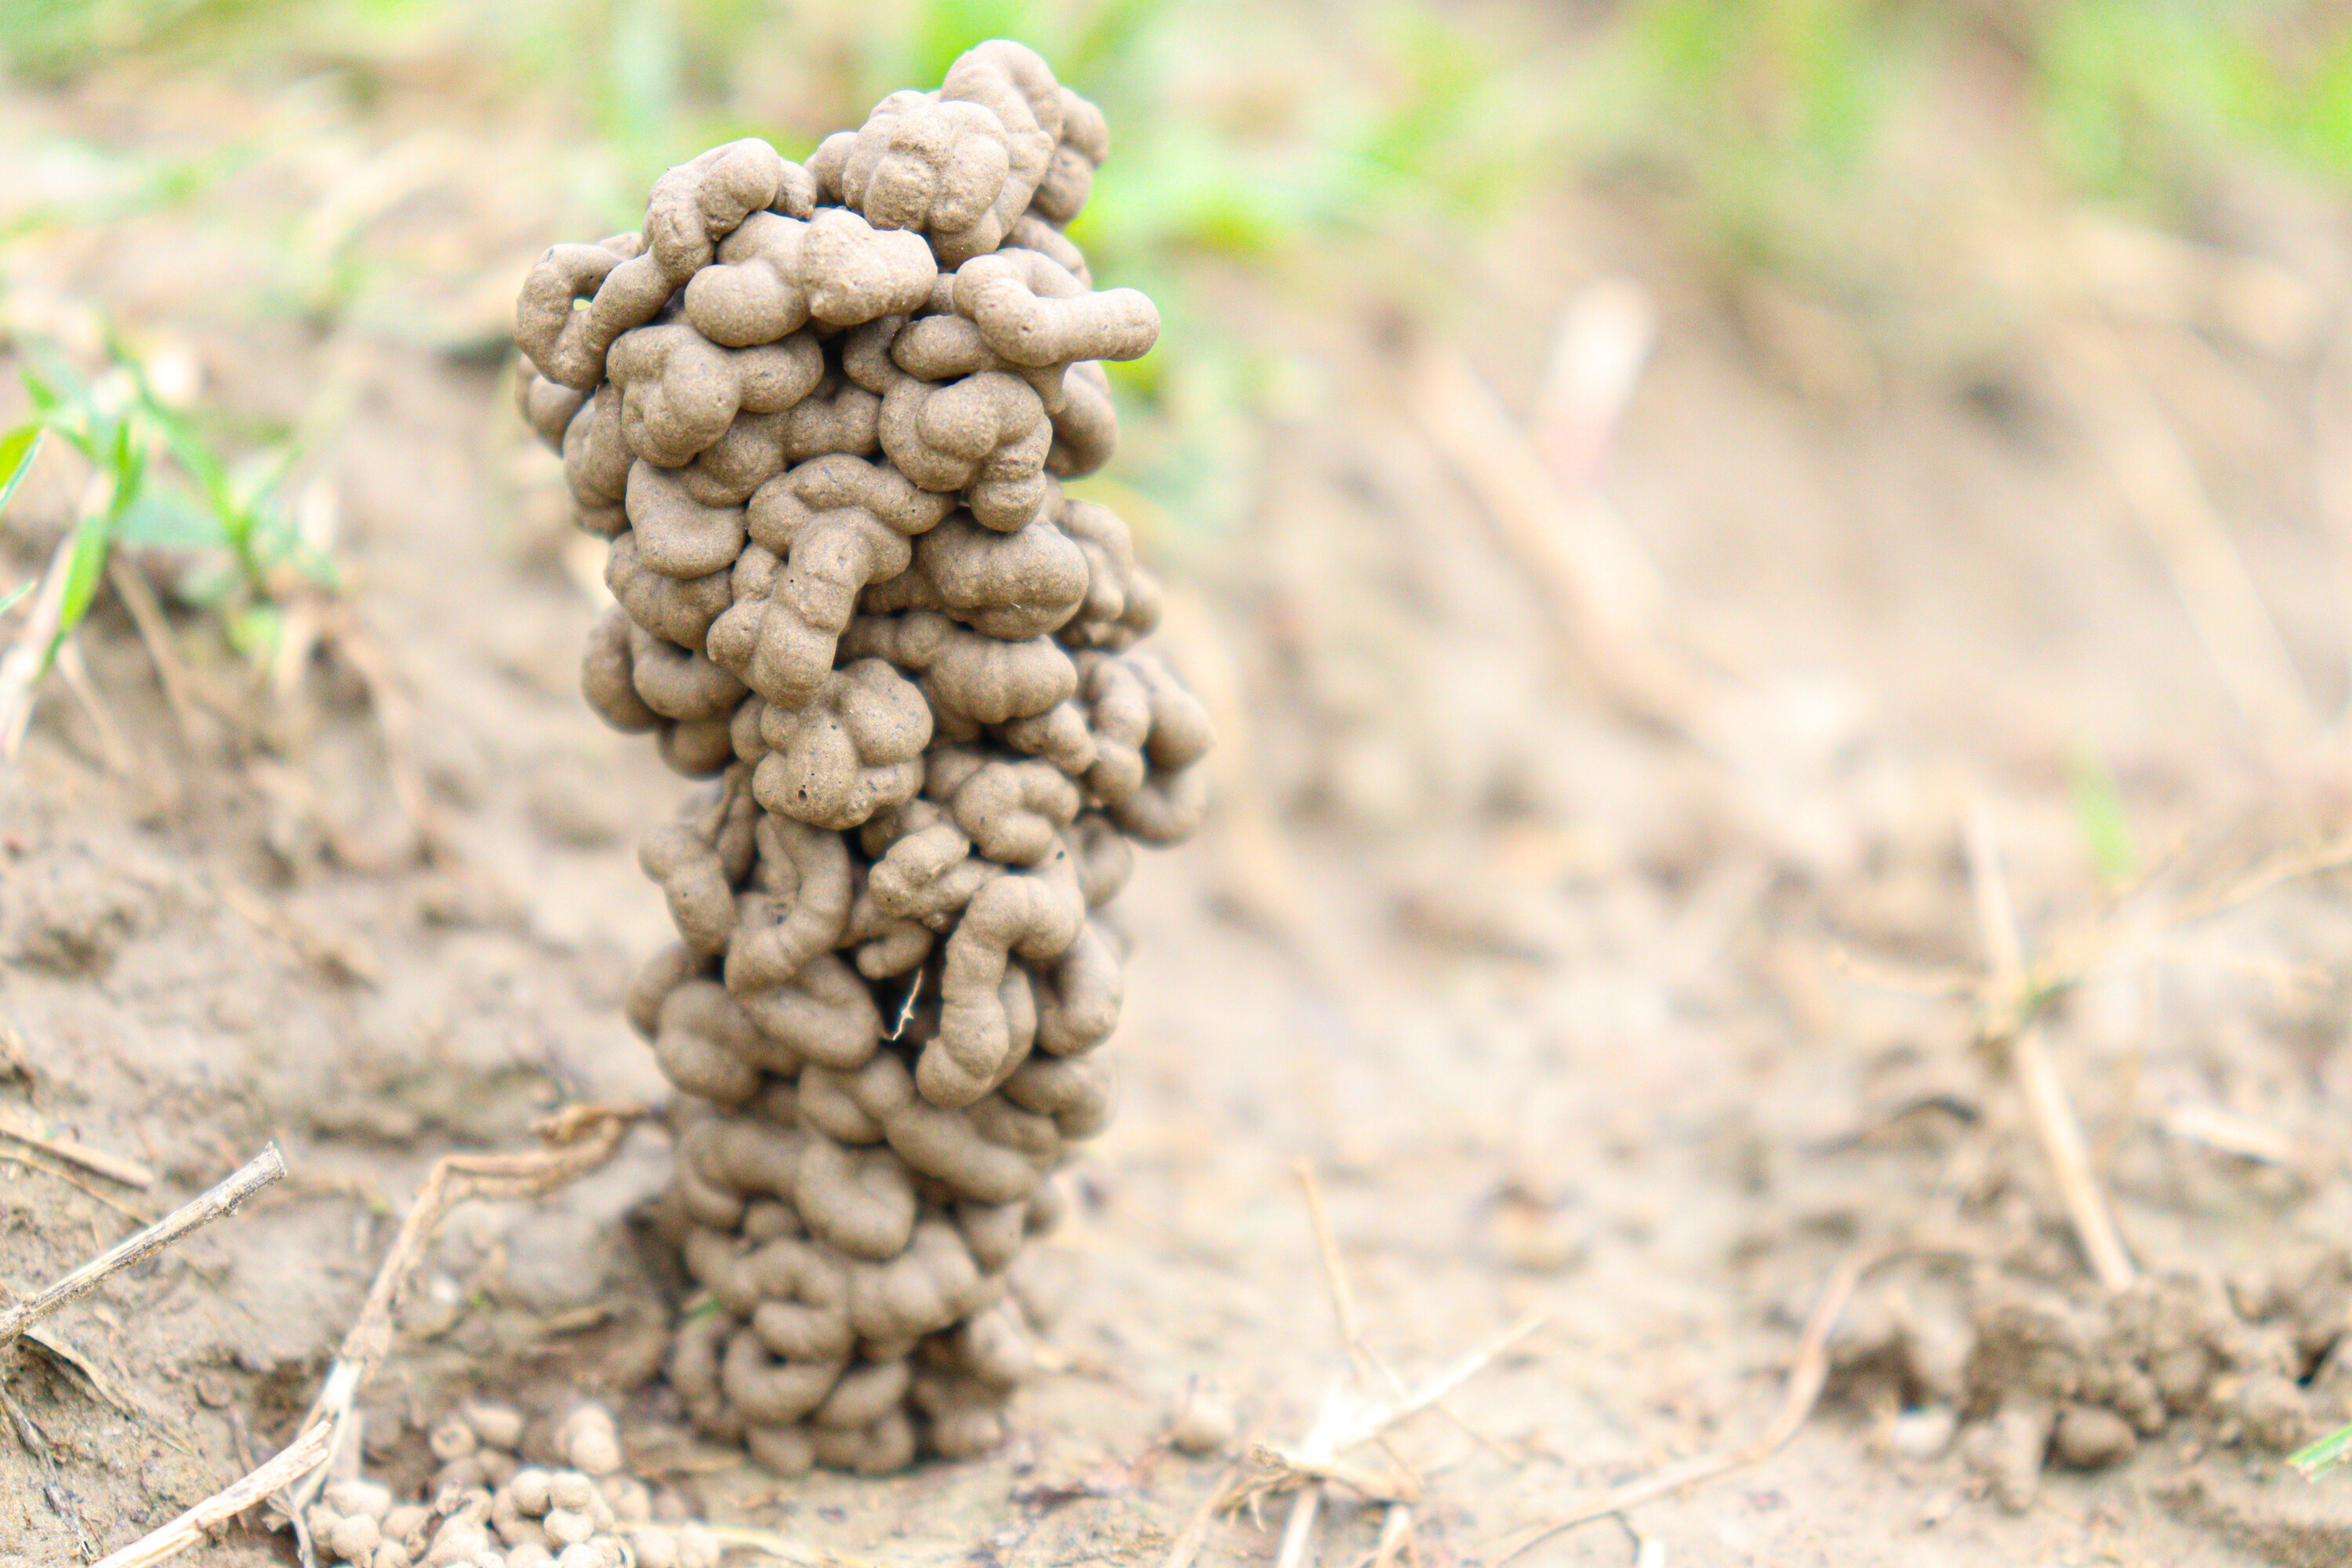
(1873,239)
(1634,478)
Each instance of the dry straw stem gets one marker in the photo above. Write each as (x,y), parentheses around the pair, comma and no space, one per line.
(155,632)
(578,1141)
(29,1160)
(1350,1413)
(1261,873)
(1807,1374)
(1298,1530)
(2230,1132)
(1599,350)
(263,1168)
(21,667)
(300,1458)
(63,1351)
(1189,1540)
(1597,586)
(1314,1462)
(783,1547)
(2073,954)
(1395,1538)
(14,1057)
(2013,1027)
(2277,871)
(1298,1465)
(2331,468)
(2161,486)
(16,1124)
(394,717)
(1335,1275)
(120,760)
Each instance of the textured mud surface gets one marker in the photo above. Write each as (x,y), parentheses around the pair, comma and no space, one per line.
(1553,997)
(823,420)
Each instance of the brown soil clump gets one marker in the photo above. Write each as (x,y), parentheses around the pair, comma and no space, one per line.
(912,674)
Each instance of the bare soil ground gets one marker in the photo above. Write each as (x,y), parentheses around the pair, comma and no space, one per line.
(1584,995)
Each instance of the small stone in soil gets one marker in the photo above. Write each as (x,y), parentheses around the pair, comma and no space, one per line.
(2090,1439)
(1204,1425)
(500,1426)
(1925,1433)
(2273,1409)
(2008,1450)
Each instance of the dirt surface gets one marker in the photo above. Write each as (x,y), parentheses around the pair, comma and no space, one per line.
(1634,1004)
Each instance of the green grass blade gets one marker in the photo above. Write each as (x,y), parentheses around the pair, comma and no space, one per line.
(2324,1455)
(17,450)
(59,380)
(9,602)
(45,396)
(196,459)
(93,537)
(166,518)
(128,460)
(2099,816)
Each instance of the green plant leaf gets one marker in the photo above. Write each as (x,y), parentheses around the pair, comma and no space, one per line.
(93,537)
(2324,1455)
(45,398)
(127,456)
(2099,816)
(196,459)
(17,592)
(168,519)
(254,631)
(17,450)
(59,380)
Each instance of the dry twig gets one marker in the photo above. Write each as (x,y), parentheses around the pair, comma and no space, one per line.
(395,718)
(1335,1276)
(1298,1530)
(1396,1536)
(1195,1534)
(14,1057)
(1351,1414)
(2293,865)
(1807,1374)
(2011,995)
(782,1547)
(305,1455)
(1598,589)
(2055,1126)
(120,760)
(2230,1132)
(2130,926)
(1314,1463)
(113,1167)
(155,632)
(29,1160)
(256,1173)
(577,1141)
(2161,486)
(1346,1419)
(21,665)
(1599,349)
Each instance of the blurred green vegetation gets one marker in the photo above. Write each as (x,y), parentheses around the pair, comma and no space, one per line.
(161,483)
(2099,817)
(1244,130)
(1244,138)
(1333,152)
(1785,116)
